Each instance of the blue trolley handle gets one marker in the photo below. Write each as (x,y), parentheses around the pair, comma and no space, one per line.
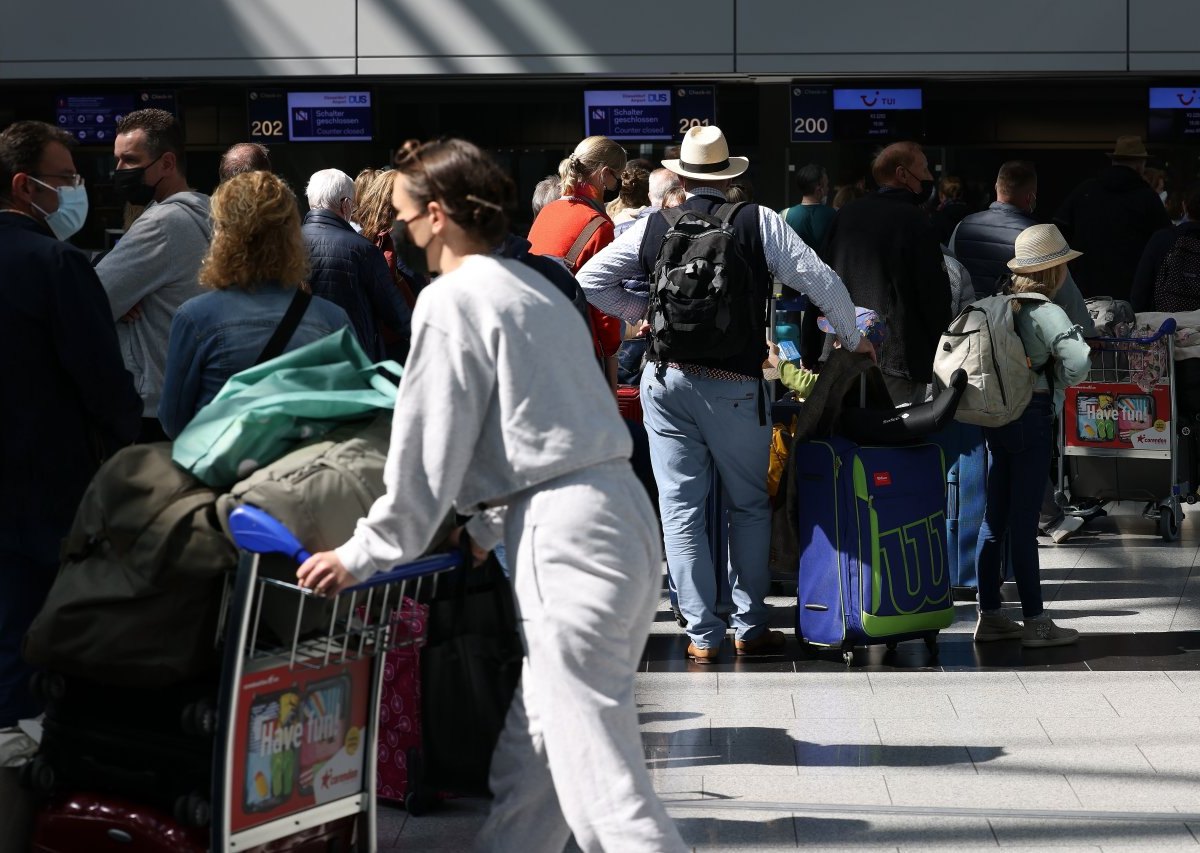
(1167,328)
(257,531)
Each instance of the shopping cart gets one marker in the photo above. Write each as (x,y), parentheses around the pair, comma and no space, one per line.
(1119,437)
(297,738)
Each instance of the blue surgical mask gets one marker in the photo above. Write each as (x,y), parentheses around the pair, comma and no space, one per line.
(72,210)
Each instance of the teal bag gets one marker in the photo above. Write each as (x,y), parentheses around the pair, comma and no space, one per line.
(267,410)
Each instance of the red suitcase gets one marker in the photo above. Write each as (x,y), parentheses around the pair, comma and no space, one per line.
(100,824)
(629,401)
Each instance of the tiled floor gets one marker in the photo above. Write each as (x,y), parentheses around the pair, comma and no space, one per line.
(978,748)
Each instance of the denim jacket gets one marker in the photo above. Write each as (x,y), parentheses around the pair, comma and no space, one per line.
(220,333)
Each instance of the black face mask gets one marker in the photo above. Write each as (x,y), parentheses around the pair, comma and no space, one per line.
(928,190)
(130,185)
(401,236)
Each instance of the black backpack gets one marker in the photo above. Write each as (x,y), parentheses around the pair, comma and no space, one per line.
(1177,285)
(702,303)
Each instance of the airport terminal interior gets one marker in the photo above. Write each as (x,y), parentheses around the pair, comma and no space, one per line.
(966,747)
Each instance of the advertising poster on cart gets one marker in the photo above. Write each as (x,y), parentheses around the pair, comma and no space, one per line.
(302,738)
(1117,416)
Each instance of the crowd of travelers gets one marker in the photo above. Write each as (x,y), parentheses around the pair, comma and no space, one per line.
(530,337)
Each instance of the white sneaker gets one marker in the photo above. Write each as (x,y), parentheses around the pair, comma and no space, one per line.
(1062,531)
(1042,633)
(997,626)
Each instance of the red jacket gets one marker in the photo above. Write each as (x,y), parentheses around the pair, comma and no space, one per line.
(554,232)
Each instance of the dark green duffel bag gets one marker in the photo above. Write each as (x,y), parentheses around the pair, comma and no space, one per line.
(137,597)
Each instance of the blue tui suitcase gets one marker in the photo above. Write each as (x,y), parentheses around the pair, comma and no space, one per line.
(872,535)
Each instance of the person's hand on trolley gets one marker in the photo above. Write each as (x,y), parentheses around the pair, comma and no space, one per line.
(325,575)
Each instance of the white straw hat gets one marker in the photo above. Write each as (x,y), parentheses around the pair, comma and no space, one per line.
(1040,247)
(704,156)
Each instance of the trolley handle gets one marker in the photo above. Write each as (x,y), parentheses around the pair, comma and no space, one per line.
(259,532)
(1167,328)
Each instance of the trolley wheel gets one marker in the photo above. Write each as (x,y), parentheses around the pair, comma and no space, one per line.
(1169,516)
(1191,499)
(891,645)
(417,803)
(39,776)
(193,810)
(931,645)
(848,656)
(199,719)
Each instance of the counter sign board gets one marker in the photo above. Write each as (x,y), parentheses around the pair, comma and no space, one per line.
(1174,114)
(812,113)
(648,114)
(267,113)
(628,114)
(877,114)
(329,116)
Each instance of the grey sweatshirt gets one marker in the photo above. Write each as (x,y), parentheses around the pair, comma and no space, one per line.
(157,264)
(500,393)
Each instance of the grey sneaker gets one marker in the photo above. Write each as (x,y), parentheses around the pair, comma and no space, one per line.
(1062,531)
(1042,633)
(997,626)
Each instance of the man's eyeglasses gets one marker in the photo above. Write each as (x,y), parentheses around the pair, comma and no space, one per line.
(72,180)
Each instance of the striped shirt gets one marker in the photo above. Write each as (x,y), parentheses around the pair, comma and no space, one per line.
(789,259)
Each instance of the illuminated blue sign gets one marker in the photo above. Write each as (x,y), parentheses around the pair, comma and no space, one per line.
(1187,98)
(877,99)
(329,116)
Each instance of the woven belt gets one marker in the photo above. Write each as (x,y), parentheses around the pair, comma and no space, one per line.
(711,372)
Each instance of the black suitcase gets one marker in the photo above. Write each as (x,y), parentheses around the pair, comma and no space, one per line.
(153,746)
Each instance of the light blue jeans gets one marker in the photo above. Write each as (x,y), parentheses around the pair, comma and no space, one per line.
(695,424)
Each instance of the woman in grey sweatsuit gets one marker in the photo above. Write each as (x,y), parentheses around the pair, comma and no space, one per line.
(502,412)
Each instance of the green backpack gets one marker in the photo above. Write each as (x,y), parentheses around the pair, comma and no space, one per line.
(137,597)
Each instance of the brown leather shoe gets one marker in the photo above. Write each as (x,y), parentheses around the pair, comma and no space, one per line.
(765,643)
(702,655)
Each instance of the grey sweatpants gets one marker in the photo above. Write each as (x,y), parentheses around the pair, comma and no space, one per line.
(586,558)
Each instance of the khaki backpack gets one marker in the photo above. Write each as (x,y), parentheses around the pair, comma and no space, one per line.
(983,342)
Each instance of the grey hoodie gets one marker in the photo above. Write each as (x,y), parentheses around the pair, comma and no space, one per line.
(157,264)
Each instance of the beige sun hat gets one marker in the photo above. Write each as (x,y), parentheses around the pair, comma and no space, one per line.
(704,156)
(1040,247)
(1130,146)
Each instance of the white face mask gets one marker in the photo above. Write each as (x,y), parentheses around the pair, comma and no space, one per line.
(1163,195)
(71,213)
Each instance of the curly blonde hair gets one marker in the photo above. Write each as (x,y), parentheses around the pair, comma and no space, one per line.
(375,212)
(256,235)
(363,180)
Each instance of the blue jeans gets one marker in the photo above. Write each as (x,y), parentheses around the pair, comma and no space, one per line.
(1018,465)
(694,424)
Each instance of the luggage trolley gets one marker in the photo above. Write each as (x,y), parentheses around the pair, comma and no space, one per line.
(1119,438)
(297,739)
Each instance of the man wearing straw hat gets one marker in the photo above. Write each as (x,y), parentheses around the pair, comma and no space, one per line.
(708,414)
(1110,219)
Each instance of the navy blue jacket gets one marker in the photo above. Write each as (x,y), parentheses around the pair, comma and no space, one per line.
(350,272)
(984,243)
(68,400)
